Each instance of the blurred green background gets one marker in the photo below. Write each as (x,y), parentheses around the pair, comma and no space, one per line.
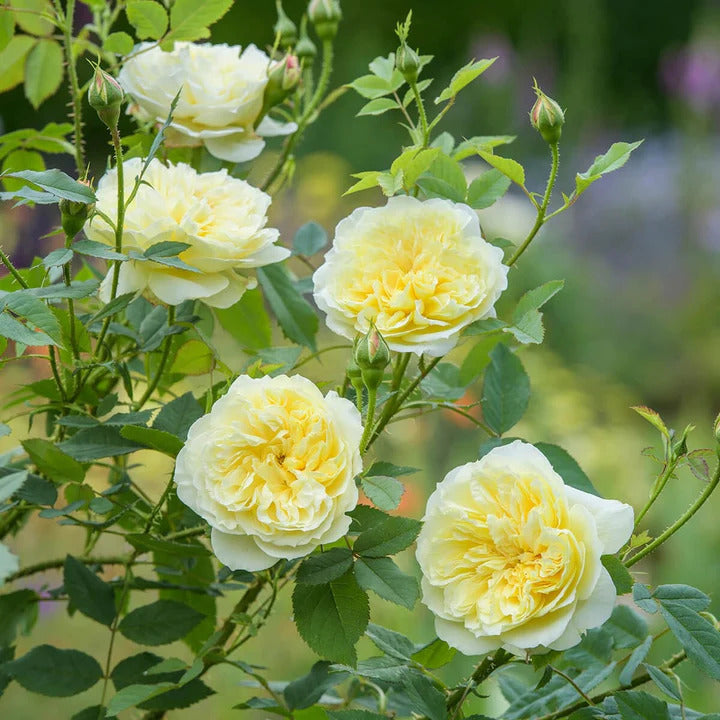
(637,323)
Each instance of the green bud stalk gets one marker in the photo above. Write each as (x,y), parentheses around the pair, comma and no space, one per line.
(325,16)
(105,97)
(547,117)
(305,49)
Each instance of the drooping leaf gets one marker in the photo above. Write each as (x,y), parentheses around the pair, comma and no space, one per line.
(309,239)
(307,690)
(57,183)
(384,491)
(189,20)
(159,440)
(87,592)
(178,415)
(384,577)
(247,321)
(506,390)
(158,623)
(43,71)
(52,461)
(148,18)
(464,77)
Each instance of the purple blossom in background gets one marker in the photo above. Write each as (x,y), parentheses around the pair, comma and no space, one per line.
(494,45)
(692,74)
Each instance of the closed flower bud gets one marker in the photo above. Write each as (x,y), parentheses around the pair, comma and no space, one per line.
(285,28)
(305,48)
(325,16)
(716,428)
(547,117)
(407,61)
(73,215)
(283,78)
(372,356)
(105,96)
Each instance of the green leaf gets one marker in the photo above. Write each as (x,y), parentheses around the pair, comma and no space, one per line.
(384,577)
(664,682)
(11,483)
(643,598)
(487,189)
(387,468)
(477,359)
(613,159)
(98,442)
(189,19)
(159,440)
(636,657)
(52,461)
(57,183)
(161,622)
(307,690)
(627,627)
(481,142)
(621,578)
(506,390)
(680,606)
(7,29)
(309,239)
(653,418)
(424,698)
(635,705)
(11,329)
(374,86)
(58,673)
(98,250)
(387,537)
(390,642)
(35,311)
(367,180)
(12,60)
(297,319)
(327,566)
(443,383)
(354,715)
(8,563)
(169,547)
(378,106)
(435,654)
(527,319)
(413,163)
(133,695)
(178,415)
(464,77)
(567,467)
(444,178)
(88,593)
(148,18)
(120,43)
(43,71)
(18,614)
(38,491)
(57,258)
(385,492)
(247,321)
(193,358)
(75,290)
(331,618)
(510,168)
(29,16)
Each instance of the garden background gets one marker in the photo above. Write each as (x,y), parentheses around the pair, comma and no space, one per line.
(639,322)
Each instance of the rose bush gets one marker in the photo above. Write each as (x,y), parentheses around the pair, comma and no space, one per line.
(272,468)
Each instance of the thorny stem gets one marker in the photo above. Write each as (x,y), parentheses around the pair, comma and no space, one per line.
(71,305)
(699,502)
(482,672)
(12,270)
(421,114)
(167,344)
(543,207)
(369,417)
(657,489)
(391,406)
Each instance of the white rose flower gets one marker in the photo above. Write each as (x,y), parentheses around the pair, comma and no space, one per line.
(510,555)
(421,271)
(221,218)
(221,98)
(272,468)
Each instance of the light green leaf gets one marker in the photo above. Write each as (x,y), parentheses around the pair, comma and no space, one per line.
(506,390)
(390,642)
(24,160)
(528,326)
(8,563)
(487,189)
(121,43)
(247,321)
(613,159)
(331,618)
(52,461)
(35,311)
(374,86)
(480,142)
(57,183)
(621,578)
(98,250)
(297,319)
(384,577)
(193,358)
(413,163)
(159,623)
(384,492)
(510,168)
(435,654)
(148,18)
(378,106)
(464,77)
(444,178)
(88,593)
(12,61)
(367,180)
(11,483)
(43,71)
(58,673)
(14,330)
(29,16)
(653,418)
(159,440)
(133,695)
(189,19)
(309,239)
(325,567)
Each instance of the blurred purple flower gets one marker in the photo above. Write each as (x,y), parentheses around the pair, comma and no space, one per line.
(692,74)
(494,45)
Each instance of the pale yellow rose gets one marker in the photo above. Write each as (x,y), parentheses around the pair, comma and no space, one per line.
(272,468)
(510,555)
(221,98)
(421,271)
(221,218)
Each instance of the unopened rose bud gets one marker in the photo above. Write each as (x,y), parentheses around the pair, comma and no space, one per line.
(325,16)
(372,356)
(285,28)
(105,96)
(547,117)
(407,61)
(716,428)
(305,48)
(73,214)
(283,78)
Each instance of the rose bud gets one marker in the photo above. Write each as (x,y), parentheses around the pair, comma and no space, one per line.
(285,28)
(105,96)
(74,214)
(547,117)
(407,61)
(283,78)
(325,16)
(305,48)
(372,356)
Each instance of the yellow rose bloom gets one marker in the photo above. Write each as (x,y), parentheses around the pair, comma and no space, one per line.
(421,271)
(272,468)
(221,218)
(220,101)
(510,555)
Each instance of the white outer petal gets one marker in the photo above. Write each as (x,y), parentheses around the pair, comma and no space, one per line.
(614,519)
(240,552)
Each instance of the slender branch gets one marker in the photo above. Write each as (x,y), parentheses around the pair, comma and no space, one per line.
(421,114)
(71,305)
(369,417)
(391,406)
(482,672)
(543,207)
(12,270)
(167,344)
(699,502)
(657,489)
(575,686)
